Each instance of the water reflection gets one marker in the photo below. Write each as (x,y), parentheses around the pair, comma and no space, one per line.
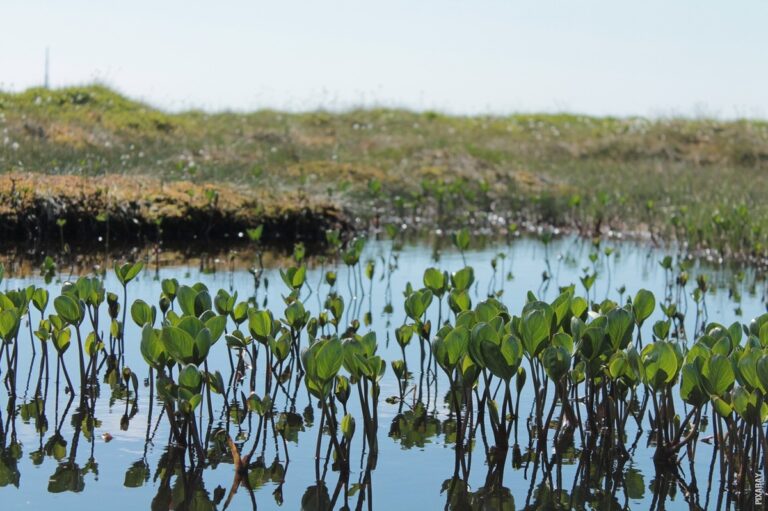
(258,429)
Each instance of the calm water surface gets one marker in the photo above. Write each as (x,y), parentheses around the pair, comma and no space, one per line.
(128,473)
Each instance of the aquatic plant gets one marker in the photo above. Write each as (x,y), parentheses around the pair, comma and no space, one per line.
(575,375)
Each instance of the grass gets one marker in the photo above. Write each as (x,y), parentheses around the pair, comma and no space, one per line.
(695,181)
(39,207)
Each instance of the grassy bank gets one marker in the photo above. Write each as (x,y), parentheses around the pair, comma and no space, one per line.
(700,182)
(50,209)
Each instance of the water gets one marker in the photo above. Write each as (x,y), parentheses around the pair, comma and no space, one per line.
(409,473)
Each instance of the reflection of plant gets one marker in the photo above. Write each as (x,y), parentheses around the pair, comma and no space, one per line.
(554,369)
(415,427)
(9,469)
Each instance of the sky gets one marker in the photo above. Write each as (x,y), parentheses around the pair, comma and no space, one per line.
(696,58)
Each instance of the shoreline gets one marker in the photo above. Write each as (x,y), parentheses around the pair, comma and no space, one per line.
(162,177)
(44,210)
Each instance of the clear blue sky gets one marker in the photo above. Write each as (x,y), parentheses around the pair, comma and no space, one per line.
(657,58)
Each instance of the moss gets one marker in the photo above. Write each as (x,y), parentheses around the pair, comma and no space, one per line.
(31,204)
(529,163)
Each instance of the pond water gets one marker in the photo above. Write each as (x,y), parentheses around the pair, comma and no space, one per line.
(125,463)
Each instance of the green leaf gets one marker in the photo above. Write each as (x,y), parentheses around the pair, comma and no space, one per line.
(203,302)
(417,303)
(9,324)
(40,299)
(722,407)
(328,358)
(563,340)
(723,346)
(294,277)
(619,328)
(348,427)
(746,369)
(224,303)
(434,280)
(195,401)
(281,347)
(690,386)
(459,301)
(659,363)
(191,378)
(128,272)
(617,365)
(179,344)
(562,306)
(735,332)
(482,333)
(186,297)
(216,326)
(260,324)
(556,361)
(535,330)
(142,313)
(151,347)
(61,340)
(578,306)
(661,330)
(643,306)
(296,315)
(762,372)
(487,310)
(216,382)
(503,360)
(749,405)
(170,287)
(456,344)
(255,233)
(462,279)
(201,347)
(69,309)
(92,344)
(403,334)
(718,375)
(461,239)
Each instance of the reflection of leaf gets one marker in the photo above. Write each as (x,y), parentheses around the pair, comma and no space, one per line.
(91,467)
(289,425)
(30,410)
(498,498)
(37,456)
(66,478)
(189,493)
(549,498)
(316,498)
(9,471)
(136,475)
(236,413)
(88,425)
(56,446)
(162,500)
(458,494)
(634,484)
(277,471)
(257,474)
(414,428)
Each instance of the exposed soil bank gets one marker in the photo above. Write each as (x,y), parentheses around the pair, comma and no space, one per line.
(42,209)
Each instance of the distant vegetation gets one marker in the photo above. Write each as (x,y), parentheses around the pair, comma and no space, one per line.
(700,182)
